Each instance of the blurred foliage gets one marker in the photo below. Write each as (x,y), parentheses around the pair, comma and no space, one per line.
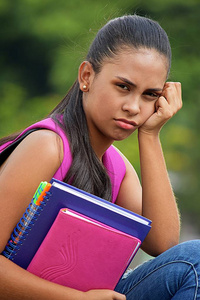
(42,44)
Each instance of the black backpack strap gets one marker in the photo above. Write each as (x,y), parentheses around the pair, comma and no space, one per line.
(8,150)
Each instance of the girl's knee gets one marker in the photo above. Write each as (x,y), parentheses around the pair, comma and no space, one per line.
(188,251)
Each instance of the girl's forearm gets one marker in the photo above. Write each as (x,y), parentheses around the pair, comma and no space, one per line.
(17,283)
(158,200)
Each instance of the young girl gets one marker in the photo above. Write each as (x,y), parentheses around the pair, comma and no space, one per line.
(121,89)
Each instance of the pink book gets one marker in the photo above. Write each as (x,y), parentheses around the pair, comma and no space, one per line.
(84,254)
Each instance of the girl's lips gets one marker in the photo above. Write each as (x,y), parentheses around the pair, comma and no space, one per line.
(125,124)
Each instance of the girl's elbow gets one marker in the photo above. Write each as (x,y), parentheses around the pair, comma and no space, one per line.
(160,245)
(165,246)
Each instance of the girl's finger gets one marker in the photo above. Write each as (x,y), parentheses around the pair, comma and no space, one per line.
(172,93)
(163,108)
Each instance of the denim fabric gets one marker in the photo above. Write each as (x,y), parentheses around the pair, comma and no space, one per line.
(174,274)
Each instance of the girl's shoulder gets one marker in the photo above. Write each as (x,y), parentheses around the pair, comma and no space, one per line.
(42,149)
(46,143)
(44,138)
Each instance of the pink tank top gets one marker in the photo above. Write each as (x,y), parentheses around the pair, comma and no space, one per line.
(112,160)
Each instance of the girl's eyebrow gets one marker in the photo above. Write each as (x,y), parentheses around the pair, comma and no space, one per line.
(125,80)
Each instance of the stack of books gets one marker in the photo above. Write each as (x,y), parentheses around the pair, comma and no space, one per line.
(76,239)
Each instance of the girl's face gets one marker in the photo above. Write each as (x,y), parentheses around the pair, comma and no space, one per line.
(122,96)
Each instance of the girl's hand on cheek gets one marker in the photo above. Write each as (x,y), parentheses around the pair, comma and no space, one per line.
(166,106)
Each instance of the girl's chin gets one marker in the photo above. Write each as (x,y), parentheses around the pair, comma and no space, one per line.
(122,137)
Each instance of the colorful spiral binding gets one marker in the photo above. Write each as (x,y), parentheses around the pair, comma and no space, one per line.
(27,220)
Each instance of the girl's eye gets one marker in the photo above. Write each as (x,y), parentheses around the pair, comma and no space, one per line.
(123,86)
(152,95)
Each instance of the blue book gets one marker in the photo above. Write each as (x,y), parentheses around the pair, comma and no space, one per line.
(62,195)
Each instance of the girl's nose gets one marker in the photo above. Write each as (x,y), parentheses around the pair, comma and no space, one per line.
(132,105)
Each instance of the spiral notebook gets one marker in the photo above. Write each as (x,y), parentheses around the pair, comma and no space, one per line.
(44,208)
(85,254)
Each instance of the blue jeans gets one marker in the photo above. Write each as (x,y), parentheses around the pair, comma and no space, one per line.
(174,274)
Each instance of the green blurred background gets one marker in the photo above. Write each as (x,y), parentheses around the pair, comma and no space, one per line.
(42,44)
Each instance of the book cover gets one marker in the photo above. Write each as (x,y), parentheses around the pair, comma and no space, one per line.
(83,254)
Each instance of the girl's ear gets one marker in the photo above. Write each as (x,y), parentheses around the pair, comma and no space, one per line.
(85,76)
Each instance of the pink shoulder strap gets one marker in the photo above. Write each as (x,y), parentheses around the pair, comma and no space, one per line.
(116,169)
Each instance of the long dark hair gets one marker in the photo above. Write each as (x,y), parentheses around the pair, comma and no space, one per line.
(86,171)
